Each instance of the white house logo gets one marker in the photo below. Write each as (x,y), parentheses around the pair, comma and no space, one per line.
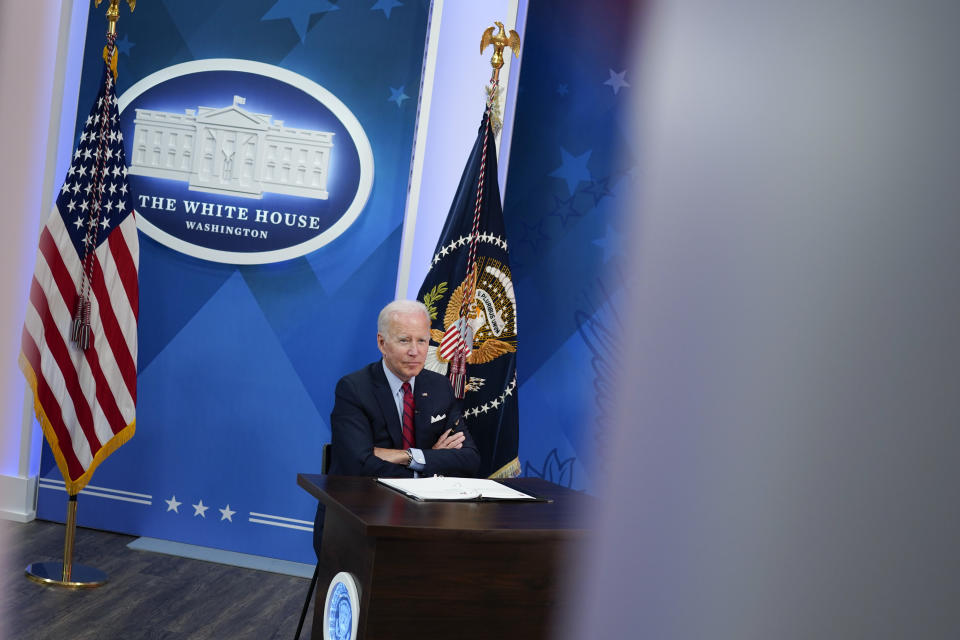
(231,151)
(242,162)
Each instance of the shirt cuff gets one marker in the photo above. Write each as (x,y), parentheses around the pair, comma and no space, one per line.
(419,462)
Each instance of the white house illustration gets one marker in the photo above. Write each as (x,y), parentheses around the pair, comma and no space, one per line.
(232,151)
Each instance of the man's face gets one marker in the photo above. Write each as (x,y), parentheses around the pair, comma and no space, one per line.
(404,348)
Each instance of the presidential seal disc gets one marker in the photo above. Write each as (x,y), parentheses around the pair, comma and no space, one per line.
(342,608)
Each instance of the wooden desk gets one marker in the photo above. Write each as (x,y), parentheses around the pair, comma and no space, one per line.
(446,570)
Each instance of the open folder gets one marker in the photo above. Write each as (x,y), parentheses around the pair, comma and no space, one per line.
(464,489)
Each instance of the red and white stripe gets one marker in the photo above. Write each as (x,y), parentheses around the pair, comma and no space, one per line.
(88,397)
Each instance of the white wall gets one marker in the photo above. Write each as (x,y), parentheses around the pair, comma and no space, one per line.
(40,51)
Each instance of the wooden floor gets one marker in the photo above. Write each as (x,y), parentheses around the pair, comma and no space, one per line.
(148,595)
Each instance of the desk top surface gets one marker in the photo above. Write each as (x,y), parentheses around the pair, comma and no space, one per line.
(380,511)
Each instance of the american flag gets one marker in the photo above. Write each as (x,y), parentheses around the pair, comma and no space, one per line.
(87,261)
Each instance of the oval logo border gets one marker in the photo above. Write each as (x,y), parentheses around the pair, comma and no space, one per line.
(318,93)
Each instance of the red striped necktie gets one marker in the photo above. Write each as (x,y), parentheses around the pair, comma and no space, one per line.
(408,440)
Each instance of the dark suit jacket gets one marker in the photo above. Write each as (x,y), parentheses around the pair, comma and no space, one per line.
(365,416)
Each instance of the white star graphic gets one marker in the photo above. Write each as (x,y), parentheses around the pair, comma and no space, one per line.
(65,187)
(78,223)
(173,504)
(116,172)
(76,156)
(76,187)
(87,154)
(227,513)
(71,206)
(83,170)
(83,205)
(113,189)
(200,509)
(616,81)
(105,223)
(123,188)
(89,120)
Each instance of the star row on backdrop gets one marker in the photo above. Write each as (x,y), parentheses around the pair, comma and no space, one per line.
(200,509)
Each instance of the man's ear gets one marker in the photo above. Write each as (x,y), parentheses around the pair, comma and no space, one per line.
(380,342)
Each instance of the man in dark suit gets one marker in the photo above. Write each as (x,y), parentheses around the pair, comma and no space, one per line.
(392,418)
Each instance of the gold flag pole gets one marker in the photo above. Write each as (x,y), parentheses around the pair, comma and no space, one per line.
(66,573)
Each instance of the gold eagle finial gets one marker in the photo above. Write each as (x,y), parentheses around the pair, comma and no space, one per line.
(113,12)
(499,41)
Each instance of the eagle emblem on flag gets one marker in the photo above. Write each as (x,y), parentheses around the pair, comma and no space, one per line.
(490,330)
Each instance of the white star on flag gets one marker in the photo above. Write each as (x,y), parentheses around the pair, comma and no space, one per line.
(200,509)
(173,504)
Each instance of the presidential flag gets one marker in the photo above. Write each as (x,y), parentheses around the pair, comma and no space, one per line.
(469,294)
(79,342)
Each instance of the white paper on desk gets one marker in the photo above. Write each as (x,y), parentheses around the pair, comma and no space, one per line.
(443,488)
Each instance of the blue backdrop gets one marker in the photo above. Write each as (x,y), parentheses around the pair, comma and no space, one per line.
(564,213)
(237,364)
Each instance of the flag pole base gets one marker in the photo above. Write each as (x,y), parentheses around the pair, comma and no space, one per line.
(81,577)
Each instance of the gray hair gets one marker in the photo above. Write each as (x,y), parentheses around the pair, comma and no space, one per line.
(396,308)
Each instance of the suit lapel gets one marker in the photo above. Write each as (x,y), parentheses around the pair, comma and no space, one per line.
(381,390)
